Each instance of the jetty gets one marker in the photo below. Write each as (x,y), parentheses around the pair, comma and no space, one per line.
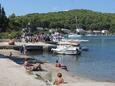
(41,46)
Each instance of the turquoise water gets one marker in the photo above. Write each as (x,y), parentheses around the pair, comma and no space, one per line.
(98,63)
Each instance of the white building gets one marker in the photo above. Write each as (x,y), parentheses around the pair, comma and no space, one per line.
(105,32)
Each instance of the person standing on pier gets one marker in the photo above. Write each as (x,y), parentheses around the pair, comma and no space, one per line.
(23,49)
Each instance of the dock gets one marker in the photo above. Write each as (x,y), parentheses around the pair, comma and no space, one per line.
(41,46)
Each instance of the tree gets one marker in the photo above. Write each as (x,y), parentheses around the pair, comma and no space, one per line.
(88,20)
(3,20)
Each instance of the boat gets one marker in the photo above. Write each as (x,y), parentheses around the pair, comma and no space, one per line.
(68,48)
(79,31)
(73,35)
(74,40)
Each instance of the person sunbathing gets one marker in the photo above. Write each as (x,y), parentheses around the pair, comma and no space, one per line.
(61,65)
(59,79)
(32,67)
(26,63)
(37,67)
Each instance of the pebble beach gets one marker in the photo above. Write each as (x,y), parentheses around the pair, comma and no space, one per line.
(13,74)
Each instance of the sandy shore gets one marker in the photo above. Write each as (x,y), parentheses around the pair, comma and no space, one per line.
(15,53)
(12,74)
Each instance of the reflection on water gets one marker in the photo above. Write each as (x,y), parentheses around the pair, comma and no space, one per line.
(98,63)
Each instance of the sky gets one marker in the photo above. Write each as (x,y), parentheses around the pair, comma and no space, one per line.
(23,7)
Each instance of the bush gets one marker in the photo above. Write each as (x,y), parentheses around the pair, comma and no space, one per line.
(9,35)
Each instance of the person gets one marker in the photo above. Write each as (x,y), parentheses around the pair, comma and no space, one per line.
(37,67)
(12,42)
(10,54)
(59,79)
(61,65)
(57,64)
(32,67)
(22,50)
(27,65)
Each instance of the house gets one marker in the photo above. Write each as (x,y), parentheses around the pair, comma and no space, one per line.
(104,32)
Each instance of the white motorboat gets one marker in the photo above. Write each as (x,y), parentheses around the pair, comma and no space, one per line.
(67,47)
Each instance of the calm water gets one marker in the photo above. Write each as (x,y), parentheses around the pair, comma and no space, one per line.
(98,63)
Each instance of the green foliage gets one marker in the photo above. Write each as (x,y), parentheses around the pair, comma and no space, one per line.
(9,35)
(3,20)
(86,19)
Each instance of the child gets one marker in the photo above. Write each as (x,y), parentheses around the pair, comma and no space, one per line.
(59,79)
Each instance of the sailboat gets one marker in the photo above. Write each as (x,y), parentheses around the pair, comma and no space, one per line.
(78,30)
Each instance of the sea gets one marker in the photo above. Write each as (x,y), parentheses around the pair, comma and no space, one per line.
(98,63)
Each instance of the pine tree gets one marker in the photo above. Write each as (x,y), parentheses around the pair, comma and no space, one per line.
(0,19)
(3,20)
(0,9)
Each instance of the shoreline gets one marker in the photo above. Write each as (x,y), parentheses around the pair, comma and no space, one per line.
(70,78)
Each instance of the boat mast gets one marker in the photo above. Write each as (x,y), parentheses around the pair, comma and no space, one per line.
(77,27)
(76,22)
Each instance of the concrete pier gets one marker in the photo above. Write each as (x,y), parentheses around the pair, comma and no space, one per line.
(41,46)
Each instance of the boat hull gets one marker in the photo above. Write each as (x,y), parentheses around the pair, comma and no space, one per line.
(67,52)
(74,36)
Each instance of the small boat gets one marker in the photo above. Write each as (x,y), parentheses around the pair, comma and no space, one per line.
(84,49)
(68,47)
(73,35)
